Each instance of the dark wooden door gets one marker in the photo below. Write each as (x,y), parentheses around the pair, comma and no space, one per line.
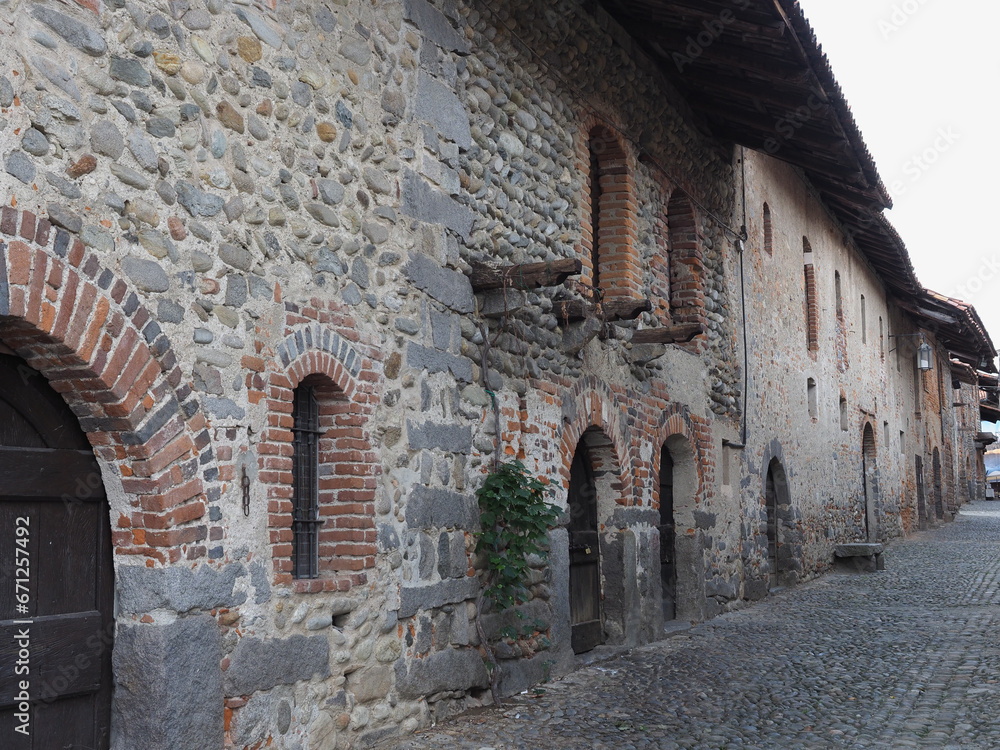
(921,502)
(584,556)
(668,570)
(771,501)
(56,594)
(938,490)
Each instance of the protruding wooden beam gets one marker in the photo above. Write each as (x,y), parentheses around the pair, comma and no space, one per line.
(571,310)
(523,275)
(617,308)
(677,334)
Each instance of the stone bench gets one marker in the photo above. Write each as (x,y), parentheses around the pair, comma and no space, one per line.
(859,557)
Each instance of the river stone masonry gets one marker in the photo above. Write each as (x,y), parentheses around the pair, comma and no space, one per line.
(261,193)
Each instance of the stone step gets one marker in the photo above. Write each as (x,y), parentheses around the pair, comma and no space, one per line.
(858,549)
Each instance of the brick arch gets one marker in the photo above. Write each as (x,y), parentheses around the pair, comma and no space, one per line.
(618,266)
(591,403)
(87,332)
(346,377)
(676,420)
(687,262)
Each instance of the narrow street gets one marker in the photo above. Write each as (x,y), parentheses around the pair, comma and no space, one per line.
(909,657)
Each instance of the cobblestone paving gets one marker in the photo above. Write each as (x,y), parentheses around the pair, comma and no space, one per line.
(909,657)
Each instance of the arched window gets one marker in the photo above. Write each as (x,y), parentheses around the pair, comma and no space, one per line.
(305,483)
(768,232)
(613,266)
(864,322)
(843,412)
(812,398)
(687,295)
(837,294)
(881,338)
(811,304)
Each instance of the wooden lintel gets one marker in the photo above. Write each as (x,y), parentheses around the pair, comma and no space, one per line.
(523,275)
(677,334)
(571,310)
(625,309)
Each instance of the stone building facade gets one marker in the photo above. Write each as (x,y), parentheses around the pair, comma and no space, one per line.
(259,251)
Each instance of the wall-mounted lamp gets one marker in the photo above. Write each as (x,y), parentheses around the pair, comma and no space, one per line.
(924,357)
(925,354)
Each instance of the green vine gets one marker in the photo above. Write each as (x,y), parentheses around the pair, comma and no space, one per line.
(515,518)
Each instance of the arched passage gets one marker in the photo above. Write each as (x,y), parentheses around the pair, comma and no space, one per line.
(54,516)
(869,478)
(921,501)
(938,489)
(681,574)
(782,560)
(87,333)
(597,579)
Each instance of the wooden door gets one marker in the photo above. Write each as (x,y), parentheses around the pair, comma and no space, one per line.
(771,501)
(56,595)
(921,502)
(668,570)
(584,556)
(938,489)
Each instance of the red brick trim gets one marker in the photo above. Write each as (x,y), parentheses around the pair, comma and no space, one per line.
(687,262)
(619,267)
(595,405)
(677,420)
(810,301)
(347,376)
(83,328)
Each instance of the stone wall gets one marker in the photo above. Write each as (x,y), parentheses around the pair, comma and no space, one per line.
(209,204)
(862,376)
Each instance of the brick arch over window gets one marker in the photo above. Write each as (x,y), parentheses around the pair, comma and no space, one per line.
(344,381)
(677,420)
(687,263)
(592,404)
(609,207)
(88,333)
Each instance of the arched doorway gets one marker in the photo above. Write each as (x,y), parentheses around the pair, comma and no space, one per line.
(869,481)
(51,488)
(771,506)
(783,546)
(667,529)
(681,565)
(938,493)
(921,501)
(584,555)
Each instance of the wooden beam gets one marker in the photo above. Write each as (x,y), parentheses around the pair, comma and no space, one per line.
(571,310)
(618,308)
(524,275)
(677,334)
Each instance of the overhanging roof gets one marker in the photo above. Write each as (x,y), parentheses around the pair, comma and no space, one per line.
(955,324)
(754,71)
(756,74)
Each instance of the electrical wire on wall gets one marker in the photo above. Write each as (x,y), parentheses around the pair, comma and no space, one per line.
(740,247)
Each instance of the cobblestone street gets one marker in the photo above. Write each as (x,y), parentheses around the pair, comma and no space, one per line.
(909,657)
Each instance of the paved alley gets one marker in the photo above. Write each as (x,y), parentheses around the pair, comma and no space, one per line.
(909,657)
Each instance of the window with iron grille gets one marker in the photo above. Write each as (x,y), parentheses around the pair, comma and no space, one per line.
(305,501)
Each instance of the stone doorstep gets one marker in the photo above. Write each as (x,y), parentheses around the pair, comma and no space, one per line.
(866,556)
(858,549)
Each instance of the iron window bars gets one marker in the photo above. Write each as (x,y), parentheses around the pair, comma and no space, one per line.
(305,498)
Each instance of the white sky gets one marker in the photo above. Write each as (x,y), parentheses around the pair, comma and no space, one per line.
(920,76)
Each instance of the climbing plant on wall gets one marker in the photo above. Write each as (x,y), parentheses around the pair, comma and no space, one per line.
(515,518)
